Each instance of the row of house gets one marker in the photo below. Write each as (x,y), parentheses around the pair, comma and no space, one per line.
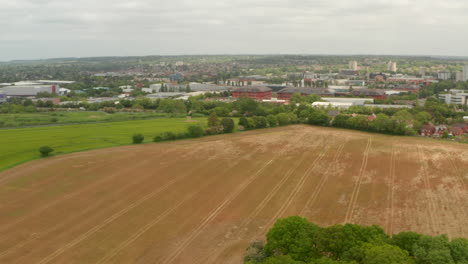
(437,131)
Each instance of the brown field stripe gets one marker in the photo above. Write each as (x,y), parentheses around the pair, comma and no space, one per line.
(214,213)
(460,177)
(82,213)
(289,200)
(357,185)
(69,196)
(322,181)
(264,202)
(461,181)
(428,191)
(151,224)
(170,258)
(38,189)
(391,191)
(117,215)
(160,217)
(298,187)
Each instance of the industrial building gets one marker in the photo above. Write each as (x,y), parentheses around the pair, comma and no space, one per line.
(254,92)
(287,93)
(354,101)
(28,90)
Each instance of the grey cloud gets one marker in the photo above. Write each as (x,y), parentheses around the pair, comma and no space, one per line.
(53,28)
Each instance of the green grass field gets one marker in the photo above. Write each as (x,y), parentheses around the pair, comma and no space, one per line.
(54,118)
(21,144)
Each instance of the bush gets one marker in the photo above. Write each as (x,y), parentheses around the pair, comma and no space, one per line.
(45,151)
(272,121)
(319,118)
(244,122)
(169,136)
(228,125)
(260,121)
(109,110)
(213,131)
(195,131)
(255,252)
(283,119)
(138,138)
(157,138)
(54,120)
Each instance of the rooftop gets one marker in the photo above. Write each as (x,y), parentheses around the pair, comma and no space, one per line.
(251,89)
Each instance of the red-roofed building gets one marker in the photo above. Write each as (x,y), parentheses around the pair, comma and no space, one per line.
(254,92)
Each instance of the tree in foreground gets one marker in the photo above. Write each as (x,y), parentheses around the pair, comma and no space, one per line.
(138,138)
(292,236)
(45,151)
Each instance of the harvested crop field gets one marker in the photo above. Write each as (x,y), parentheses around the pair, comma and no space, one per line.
(203,200)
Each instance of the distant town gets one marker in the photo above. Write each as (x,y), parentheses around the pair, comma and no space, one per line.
(338,83)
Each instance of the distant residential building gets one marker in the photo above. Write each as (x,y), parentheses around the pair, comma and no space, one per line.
(176,77)
(353,65)
(399,78)
(155,87)
(465,72)
(444,75)
(427,130)
(459,76)
(349,72)
(422,71)
(254,92)
(392,66)
(374,93)
(127,90)
(462,127)
(454,97)
(63,91)
(147,90)
(54,100)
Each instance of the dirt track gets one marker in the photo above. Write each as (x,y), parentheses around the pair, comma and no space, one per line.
(202,201)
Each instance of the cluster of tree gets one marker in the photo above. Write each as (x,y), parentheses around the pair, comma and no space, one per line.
(255,122)
(215,126)
(294,240)
(441,87)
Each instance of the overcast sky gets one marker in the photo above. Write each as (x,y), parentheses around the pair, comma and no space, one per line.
(33,29)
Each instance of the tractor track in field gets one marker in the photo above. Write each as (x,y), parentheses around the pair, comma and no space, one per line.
(391,192)
(162,216)
(174,254)
(110,219)
(82,213)
(32,193)
(322,181)
(357,185)
(460,195)
(263,203)
(435,226)
(298,187)
(178,250)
